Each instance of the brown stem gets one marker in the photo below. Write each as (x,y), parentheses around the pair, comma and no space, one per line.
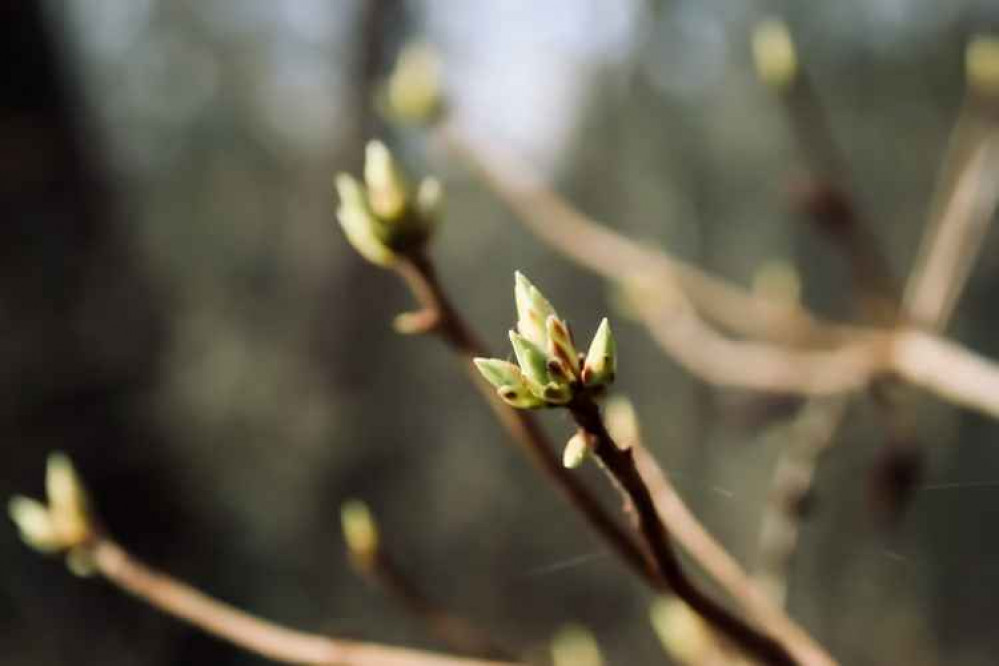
(712,557)
(248,632)
(419,274)
(620,465)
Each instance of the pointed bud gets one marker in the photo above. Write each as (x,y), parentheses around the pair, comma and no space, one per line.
(388,190)
(359,529)
(574,645)
(358,222)
(532,310)
(600,365)
(35,524)
(430,201)
(499,373)
(560,345)
(774,53)
(575,452)
(533,362)
(982,64)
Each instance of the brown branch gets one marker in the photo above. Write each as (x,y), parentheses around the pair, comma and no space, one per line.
(248,632)
(419,275)
(620,465)
(711,556)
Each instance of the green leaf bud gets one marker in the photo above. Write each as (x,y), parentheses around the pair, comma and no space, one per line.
(600,365)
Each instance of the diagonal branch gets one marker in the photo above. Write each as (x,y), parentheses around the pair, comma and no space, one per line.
(442,318)
(619,464)
(246,631)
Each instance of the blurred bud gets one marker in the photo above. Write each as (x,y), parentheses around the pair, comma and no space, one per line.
(981,60)
(383,217)
(388,189)
(533,362)
(65,524)
(359,529)
(561,348)
(413,92)
(600,365)
(430,200)
(533,309)
(33,521)
(774,54)
(67,500)
(683,634)
(575,452)
(574,645)
(622,422)
(359,223)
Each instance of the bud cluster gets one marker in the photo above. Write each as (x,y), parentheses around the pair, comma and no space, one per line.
(385,215)
(549,371)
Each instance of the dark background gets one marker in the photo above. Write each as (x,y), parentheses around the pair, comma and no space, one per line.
(179,312)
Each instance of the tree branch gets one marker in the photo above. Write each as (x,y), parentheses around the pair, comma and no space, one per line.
(418,273)
(620,466)
(246,631)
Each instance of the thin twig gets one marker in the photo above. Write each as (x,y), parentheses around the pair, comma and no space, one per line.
(248,632)
(456,632)
(419,275)
(620,465)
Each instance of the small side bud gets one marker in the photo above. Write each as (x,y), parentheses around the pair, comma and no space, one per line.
(34,523)
(413,92)
(575,452)
(622,422)
(600,365)
(358,222)
(388,190)
(533,309)
(430,201)
(574,645)
(981,62)
(359,529)
(533,362)
(683,634)
(774,54)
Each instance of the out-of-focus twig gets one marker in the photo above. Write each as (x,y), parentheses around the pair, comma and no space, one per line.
(966,200)
(917,357)
(371,559)
(246,631)
(616,257)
